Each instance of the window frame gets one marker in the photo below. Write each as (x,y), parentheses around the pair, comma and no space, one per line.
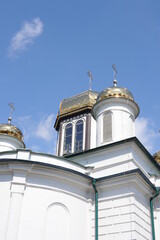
(73,138)
(79,122)
(107,120)
(68,149)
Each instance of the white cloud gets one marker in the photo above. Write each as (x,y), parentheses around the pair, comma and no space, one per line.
(24,118)
(45,128)
(26,124)
(25,37)
(39,135)
(145,132)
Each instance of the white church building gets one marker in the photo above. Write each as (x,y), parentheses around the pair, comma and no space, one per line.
(101,185)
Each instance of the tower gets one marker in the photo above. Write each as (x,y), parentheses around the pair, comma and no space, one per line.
(75,125)
(115,112)
(92,119)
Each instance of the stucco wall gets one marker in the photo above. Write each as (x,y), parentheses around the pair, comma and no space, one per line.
(39,203)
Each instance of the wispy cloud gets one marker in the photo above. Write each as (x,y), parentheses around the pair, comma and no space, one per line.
(45,128)
(39,135)
(26,36)
(146,133)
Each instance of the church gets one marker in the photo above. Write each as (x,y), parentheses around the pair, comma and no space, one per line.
(102,184)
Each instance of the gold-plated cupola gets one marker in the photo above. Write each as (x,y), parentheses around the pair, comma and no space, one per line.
(115,92)
(10,130)
(157,157)
(75,105)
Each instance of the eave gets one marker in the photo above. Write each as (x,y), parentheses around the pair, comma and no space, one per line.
(114,144)
(61,117)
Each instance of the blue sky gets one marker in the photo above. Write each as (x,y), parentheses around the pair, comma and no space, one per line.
(47,47)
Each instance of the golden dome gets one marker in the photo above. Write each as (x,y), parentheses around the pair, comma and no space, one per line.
(157,157)
(76,104)
(10,130)
(115,92)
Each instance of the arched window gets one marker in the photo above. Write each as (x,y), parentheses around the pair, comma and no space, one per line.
(68,139)
(107,127)
(78,146)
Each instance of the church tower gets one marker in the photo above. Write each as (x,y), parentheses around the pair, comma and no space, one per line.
(75,125)
(93,119)
(115,112)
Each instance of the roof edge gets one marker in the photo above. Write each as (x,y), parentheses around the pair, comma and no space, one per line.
(121,142)
(126,173)
(85,109)
(4,160)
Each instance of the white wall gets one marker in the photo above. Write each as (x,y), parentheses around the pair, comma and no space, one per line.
(5,179)
(9,143)
(93,133)
(37,201)
(123,210)
(40,203)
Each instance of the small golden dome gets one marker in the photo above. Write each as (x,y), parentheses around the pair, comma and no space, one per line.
(83,100)
(157,157)
(115,92)
(10,130)
(77,104)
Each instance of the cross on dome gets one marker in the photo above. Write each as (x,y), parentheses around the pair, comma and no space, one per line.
(115,74)
(12,108)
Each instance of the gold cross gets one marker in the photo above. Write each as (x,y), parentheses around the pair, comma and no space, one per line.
(12,108)
(115,70)
(90,78)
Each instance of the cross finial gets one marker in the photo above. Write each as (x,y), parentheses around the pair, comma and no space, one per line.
(90,78)
(12,108)
(115,74)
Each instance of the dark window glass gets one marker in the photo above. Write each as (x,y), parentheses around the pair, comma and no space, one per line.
(68,139)
(79,136)
(68,130)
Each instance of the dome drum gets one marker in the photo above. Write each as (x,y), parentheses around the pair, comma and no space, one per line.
(11,137)
(116,95)
(114,111)
(116,104)
(11,130)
